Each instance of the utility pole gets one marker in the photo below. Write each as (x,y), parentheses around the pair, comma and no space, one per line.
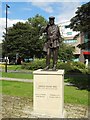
(6,36)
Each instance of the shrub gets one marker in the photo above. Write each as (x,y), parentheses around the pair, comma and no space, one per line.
(79,80)
(88,71)
(34,65)
(75,72)
(66,66)
(69,67)
(78,65)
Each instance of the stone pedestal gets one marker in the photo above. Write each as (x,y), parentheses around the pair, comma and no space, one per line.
(48,97)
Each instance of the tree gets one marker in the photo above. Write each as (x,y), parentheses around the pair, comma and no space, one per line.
(36,24)
(81,21)
(66,52)
(17,39)
(24,39)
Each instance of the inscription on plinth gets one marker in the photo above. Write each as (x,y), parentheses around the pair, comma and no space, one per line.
(48,93)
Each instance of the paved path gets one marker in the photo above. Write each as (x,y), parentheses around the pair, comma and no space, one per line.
(16,79)
(24,80)
(22,107)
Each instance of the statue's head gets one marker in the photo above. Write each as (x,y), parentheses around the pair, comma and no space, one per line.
(51,20)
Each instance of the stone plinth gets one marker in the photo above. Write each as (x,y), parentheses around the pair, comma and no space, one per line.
(48,97)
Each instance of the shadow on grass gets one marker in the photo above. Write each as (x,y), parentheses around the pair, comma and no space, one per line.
(79,80)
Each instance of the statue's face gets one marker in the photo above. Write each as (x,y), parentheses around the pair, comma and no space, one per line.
(51,21)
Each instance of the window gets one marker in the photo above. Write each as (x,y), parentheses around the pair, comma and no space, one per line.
(70,41)
(69,33)
(66,26)
(85,38)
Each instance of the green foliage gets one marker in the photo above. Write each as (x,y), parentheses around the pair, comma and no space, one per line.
(78,67)
(24,39)
(17,41)
(88,70)
(66,66)
(79,80)
(72,67)
(81,22)
(75,72)
(69,67)
(37,42)
(36,64)
(66,52)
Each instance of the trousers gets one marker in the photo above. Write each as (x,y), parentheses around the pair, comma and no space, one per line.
(54,52)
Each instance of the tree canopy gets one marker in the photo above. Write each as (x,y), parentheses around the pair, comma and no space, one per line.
(66,52)
(24,38)
(81,21)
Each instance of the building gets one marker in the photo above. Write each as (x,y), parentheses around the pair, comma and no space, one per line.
(79,40)
(70,39)
(85,48)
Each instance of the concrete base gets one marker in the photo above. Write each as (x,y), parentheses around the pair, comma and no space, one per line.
(38,115)
(48,98)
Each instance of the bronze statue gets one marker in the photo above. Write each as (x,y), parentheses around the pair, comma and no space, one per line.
(52,44)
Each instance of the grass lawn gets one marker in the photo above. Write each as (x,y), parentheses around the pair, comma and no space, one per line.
(75,96)
(71,94)
(17,75)
(17,88)
(11,67)
(14,68)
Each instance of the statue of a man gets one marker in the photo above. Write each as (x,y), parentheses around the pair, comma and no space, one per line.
(52,44)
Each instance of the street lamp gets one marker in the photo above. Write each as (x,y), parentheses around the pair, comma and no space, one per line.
(7,6)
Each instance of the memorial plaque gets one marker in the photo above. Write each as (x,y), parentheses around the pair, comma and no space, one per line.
(49,93)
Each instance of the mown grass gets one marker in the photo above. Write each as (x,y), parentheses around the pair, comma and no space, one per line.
(75,96)
(17,89)
(71,94)
(11,67)
(14,67)
(17,75)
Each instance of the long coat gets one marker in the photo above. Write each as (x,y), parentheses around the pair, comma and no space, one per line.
(53,37)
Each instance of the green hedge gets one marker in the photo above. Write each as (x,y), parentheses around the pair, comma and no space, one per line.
(69,67)
(34,65)
(79,80)
(66,66)
(75,72)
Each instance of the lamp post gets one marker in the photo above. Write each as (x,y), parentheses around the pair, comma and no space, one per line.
(6,36)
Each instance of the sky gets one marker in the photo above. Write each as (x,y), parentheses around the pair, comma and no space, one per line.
(21,10)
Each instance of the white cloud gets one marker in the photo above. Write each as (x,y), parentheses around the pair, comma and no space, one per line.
(47,5)
(67,11)
(64,12)
(44,6)
(9,24)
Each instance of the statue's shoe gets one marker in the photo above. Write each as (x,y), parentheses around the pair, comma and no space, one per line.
(54,68)
(46,68)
